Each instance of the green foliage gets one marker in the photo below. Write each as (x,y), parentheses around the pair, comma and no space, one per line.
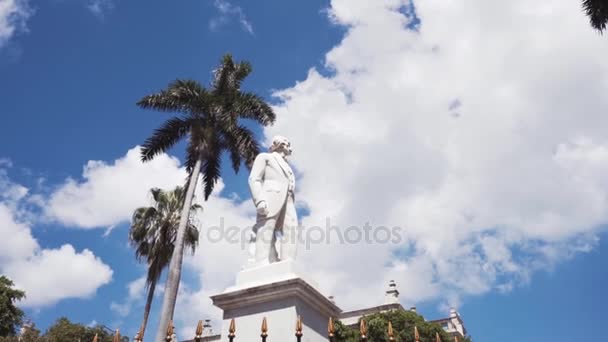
(30,334)
(403,323)
(10,315)
(62,331)
(65,331)
(345,334)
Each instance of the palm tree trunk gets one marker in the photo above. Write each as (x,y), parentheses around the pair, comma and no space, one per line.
(151,289)
(175,266)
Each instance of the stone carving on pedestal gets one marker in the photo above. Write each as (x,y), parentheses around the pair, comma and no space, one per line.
(272,185)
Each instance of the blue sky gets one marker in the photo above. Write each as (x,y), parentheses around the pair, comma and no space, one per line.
(501,196)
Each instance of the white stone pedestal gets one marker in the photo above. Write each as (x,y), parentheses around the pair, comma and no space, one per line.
(280,293)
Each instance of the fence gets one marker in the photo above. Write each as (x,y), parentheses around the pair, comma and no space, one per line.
(198,337)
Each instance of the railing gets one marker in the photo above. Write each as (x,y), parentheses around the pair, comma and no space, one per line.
(299,332)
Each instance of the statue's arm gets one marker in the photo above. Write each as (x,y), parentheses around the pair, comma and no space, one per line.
(256,177)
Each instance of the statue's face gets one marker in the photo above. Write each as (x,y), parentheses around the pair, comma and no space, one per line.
(281,144)
(284,147)
(287,147)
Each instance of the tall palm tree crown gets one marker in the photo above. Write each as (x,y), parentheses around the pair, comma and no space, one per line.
(153,232)
(210,120)
(597,11)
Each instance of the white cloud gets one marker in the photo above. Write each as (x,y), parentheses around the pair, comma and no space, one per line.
(511,184)
(109,192)
(483,141)
(99,8)
(10,192)
(473,136)
(13,15)
(47,275)
(50,275)
(135,294)
(21,243)
(226,11)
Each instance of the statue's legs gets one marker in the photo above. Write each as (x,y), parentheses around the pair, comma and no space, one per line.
(265,252)
(276,236)
(287,239)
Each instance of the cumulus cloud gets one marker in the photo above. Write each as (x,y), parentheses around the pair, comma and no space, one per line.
(482,139)
(228,11)
(13,16)
(46,275)
(10,192)
(135,294)
(49,275)
(21,244)
(108,193)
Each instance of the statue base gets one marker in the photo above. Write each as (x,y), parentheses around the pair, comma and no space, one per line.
(279,293)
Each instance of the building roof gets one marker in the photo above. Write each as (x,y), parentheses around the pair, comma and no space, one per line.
(352,317)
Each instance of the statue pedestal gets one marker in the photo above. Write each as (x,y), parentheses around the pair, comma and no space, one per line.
(280,293)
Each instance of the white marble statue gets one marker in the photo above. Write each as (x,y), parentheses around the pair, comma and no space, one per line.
(272,184)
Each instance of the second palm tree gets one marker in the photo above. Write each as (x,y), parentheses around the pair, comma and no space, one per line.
(153,232)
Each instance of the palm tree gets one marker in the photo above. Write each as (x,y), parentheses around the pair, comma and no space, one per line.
(153,232)
(210,121)
(597,11)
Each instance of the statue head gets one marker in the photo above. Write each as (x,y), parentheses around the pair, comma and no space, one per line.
(280,144)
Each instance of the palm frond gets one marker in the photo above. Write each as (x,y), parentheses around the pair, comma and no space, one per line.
(224,79)
(191,239)
(240,141)
(243,69)
(252,106)
(154,229)
(235,157)
(178,97)
(164,138)
(186,89)
(162,102)
(156,194)
(141,220)
(210,170)
(230,144)
(597,11)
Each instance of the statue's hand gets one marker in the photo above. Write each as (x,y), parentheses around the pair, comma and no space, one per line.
(262,208)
